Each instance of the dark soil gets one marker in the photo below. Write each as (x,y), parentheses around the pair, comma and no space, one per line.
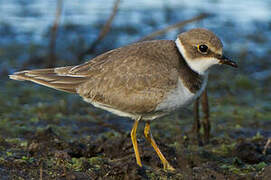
(51,157)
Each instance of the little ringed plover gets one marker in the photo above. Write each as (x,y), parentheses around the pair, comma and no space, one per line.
(142,81)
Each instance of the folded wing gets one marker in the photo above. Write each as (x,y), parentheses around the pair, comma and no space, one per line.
(57,78)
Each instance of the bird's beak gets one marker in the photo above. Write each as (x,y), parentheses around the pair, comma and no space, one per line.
(224,60)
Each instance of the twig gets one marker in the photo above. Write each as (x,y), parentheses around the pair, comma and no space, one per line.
(266,146)
(103,32)
(41,170)
(196,125)
(206,123)
(52,45)
(174,26)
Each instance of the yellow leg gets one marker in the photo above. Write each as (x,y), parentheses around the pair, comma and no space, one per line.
(148,135)
(134,141)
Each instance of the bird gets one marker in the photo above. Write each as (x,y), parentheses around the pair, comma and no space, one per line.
(143,81)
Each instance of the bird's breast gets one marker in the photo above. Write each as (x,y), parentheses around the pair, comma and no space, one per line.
(179,97)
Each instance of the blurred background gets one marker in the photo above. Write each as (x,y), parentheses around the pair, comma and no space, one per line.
(40,34)
(26,26)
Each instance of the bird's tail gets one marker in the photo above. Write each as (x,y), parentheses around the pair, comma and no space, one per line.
(57,78)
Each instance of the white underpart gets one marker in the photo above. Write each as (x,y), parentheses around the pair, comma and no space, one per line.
(180,97)
(112,110)
(200,65)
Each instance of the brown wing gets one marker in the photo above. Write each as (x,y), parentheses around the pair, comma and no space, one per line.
(132,79)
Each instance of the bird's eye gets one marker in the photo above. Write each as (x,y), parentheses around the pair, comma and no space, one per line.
(203,49)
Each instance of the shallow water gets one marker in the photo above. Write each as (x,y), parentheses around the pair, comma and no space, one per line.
(30,20)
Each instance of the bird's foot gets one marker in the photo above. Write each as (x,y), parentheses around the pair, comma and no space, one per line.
(168,167)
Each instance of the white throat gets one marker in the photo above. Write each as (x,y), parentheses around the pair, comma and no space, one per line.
(200,65)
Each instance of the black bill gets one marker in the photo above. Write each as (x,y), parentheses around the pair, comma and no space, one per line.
(225,60)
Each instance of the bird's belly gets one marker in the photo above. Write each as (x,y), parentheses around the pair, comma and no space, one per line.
(145,116)
(180,97)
